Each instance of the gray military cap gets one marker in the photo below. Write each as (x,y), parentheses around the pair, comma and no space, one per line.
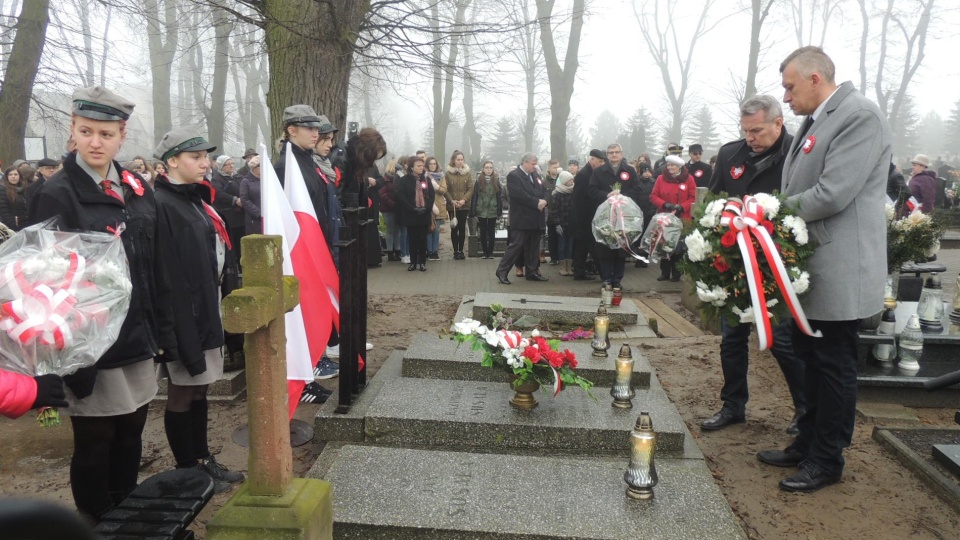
(181,140)
(326,126)
(301,115)
(99,103)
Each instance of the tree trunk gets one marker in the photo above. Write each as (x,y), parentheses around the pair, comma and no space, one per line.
(162,43)
(759,14)
(17,91)
(222,26)
(563,77)
(864,34)
(310,46)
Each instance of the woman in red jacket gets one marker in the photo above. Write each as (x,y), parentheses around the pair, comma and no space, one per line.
(20,393)
(675,191)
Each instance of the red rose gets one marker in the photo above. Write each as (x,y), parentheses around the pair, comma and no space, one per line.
(729,239)
(720,264)
(768,225)
(532,353)
(570,357)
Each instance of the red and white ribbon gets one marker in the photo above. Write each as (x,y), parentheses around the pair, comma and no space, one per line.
(744,218)
(617,224)
(40,312)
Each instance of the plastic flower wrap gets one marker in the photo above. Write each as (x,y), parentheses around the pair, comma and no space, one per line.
(63,298)
(662,236)
(618,222)
(914,237)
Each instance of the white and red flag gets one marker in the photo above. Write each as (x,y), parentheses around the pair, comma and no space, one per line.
(288,212)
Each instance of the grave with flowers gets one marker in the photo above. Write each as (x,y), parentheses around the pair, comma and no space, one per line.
(434,448)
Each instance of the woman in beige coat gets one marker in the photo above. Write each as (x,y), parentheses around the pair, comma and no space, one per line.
(460,191)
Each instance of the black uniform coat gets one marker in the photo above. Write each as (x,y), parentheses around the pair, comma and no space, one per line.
(74,196)
(227,188)
(316,187)
(603,179)
(188,250)
(525,195)
(583,209)
(701,173)
(406,201)
(738,173)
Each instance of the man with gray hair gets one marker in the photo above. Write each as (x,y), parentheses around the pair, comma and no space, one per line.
(528,199)
(834,175)
(753,165)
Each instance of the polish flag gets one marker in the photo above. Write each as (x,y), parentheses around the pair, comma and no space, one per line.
(288,212)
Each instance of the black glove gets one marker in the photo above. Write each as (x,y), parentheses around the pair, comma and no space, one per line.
(420,210)
(82,382)
(49,392)
(678,210)
(668,206)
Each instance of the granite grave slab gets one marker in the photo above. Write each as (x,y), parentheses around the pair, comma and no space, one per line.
(399,494)
(948,455)
(330,425)
(561,310)
(465,415)
(441,357)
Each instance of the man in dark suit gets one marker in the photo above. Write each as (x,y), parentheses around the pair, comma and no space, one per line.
(700,171)
(583,210)
(528,198)
(834,175)
(754,165)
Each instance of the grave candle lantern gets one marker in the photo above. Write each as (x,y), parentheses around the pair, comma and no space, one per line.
(606,295)
(601,325)
(955,314)
(888,327)
(641,475)
(622,390)
(911,345)
(930,307)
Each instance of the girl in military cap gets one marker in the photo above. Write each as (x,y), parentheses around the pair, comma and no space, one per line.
(193,241)
(108,401)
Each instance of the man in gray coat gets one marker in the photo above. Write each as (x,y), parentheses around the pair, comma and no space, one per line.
(835,176)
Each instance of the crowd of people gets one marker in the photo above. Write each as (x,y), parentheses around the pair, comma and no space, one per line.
(182,241)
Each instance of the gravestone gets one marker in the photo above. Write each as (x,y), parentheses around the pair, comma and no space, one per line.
(442,357)
(271,504)
(477,415)
(556,310)
(400,494)
(948,455)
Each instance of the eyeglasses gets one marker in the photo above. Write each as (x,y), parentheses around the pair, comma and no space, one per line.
(614,152)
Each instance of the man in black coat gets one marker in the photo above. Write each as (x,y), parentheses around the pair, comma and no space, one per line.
(700,171)
(528,199)
(583,215)
(602,185)
(745,167)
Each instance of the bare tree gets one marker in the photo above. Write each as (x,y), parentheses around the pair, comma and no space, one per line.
(759,10)
(561,78)
(660,34)
(162,37)
(807,15)
(19,76)
(527,51)
(443,73)
(864,35)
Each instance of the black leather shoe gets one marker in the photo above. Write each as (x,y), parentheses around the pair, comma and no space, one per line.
(503,279)
(663,278)
(781,458)
(808,479)
(423,267)
(584,278)
(536,277)
(675,279)
(412,267)
(794,427)
(721,420)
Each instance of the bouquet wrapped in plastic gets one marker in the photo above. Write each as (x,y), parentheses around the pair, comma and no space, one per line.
(662,236)
(63,298)
(618,222)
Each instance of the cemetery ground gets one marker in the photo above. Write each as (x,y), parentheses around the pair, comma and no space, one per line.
(878,498)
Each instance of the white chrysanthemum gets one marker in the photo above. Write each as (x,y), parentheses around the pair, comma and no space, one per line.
(798,227)
(770,204)
(890,211)
(916,218)
(491,338)
(711,214)
(746,315)
(466,326)
(932,250)
(716,295)
(697,246)
(535,333)
(799,280)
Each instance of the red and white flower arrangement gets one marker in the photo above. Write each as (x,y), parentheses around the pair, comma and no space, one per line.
(527,358)
(747,258)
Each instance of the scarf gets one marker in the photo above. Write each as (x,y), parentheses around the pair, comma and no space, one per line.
(218,224)
(327,169)
(679,178)
(418,189)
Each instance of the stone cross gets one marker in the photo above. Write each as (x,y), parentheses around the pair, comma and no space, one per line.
(257,310)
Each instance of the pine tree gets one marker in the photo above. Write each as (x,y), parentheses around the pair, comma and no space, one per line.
(605,131)
(638,137)
(577,145)
(504,145)
(704,131)
(905,130)
(930,134)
